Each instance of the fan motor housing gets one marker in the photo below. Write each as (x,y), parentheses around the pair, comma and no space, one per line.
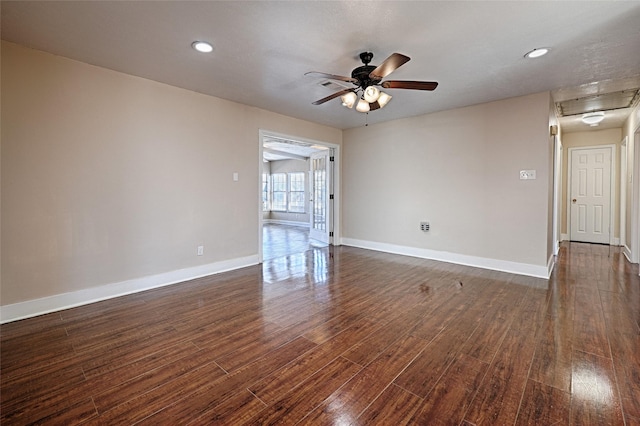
(362,75)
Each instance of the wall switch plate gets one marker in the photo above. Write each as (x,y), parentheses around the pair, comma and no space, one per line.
(200,250)
(235,176)
(527,174)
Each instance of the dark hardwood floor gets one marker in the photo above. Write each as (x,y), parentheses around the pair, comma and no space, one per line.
(342,336)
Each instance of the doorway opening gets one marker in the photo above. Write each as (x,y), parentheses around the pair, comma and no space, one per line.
(299,194)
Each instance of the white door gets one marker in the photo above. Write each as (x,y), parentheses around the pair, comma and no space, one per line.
(590,195)
(320,184)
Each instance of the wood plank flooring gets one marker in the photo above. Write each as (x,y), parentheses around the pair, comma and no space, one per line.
(283,240)
(341,336)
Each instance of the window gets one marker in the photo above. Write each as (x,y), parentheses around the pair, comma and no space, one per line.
(296,192)
(279,192)
(265,192)
(287,192)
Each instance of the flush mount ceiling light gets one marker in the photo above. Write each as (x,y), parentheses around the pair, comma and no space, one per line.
(593,118)
(536,53)
(202,46)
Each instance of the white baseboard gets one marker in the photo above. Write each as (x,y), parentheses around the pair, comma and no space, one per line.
(616,242)
(539,271)
(627,253)
(287,222)
(564,237)
(58,302)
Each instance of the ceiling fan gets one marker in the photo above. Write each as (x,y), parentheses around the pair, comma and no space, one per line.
(366,77)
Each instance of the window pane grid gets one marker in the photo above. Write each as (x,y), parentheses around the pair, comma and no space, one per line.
(296,192)
(279,192)
(265,192)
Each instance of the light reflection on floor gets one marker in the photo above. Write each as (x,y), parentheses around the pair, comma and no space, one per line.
(294,262)
(284,240)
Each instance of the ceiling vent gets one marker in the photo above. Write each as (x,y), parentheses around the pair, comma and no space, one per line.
(332,85)
(602,102)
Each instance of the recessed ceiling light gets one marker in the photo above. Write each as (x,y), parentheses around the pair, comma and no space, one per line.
(536,53)
(202,46)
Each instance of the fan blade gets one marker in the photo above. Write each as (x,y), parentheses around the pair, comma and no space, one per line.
(335,95)
(389,65)
(413,85)
(331,76)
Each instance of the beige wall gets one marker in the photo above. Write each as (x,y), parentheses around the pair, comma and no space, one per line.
(591,138)
(108,177)
(458,169)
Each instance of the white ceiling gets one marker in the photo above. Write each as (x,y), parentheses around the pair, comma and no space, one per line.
(262,49)
(274,149)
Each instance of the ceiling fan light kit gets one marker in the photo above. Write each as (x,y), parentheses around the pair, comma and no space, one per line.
(371,94)
(366,77)
(349,99)
(363,106)
(384,99)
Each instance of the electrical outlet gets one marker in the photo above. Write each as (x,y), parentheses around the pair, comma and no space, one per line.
(200,250)
(424,226)
(527,174)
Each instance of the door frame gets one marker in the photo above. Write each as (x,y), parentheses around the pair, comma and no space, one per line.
(623,191)
(635,197)
(612,189)
(335,226)
(557,193)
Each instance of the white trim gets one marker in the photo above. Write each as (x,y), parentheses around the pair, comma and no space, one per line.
(616,241)
(627,252)
(612,186)
(564,237)
(551,263)
(58,302)
(623,190)
(557,191)
(539,271)
(634,254)
(287,222)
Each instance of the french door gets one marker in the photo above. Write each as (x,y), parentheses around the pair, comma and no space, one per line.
(321,208)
